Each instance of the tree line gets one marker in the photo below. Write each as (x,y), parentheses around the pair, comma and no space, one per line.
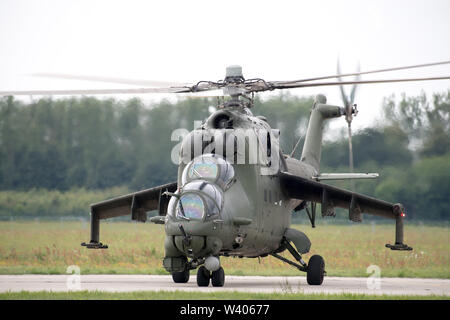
(95,144)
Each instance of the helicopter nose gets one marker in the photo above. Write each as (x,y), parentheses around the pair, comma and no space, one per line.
(197,240)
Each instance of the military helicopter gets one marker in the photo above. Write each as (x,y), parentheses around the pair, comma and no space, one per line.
(236,189)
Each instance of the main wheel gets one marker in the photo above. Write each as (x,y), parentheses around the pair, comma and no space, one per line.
(203,277)
(315,270)
(218,278)
(180,277)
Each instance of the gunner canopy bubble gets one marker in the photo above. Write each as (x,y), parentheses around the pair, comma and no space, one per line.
(199,199)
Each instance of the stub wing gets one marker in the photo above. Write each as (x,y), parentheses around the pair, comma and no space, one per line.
(345,176)
(135,204)
(331,197)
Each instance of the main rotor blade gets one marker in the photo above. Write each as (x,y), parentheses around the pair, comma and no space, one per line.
(146,83)
(275,85)
(366,72)
(95,91)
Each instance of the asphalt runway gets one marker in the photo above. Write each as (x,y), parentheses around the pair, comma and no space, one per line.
(124,283)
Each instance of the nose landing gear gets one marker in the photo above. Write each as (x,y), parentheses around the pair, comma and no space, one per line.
(218,278)
(204,276)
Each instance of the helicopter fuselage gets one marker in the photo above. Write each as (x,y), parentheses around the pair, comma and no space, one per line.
(254,212)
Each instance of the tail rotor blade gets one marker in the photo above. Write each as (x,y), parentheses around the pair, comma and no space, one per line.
(350,154)
(353,92)
(341,88)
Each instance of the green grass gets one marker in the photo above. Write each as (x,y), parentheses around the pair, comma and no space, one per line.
(50,247)
(36,203)
(183,295)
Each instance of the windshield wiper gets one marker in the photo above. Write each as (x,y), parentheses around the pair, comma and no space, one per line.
(182,216)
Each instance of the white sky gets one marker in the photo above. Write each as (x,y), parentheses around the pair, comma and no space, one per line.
(196,40)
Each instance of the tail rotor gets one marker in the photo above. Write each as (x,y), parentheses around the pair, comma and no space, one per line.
(350,112)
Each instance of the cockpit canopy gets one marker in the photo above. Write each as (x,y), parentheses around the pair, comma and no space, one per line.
(209,167)
(204,179)
(199,199)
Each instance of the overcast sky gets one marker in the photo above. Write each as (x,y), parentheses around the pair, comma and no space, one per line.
(196,40)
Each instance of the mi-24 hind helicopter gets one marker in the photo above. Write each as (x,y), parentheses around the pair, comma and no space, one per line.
(236,190)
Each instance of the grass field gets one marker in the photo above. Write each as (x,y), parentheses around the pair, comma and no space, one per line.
(50,247)
(183,295)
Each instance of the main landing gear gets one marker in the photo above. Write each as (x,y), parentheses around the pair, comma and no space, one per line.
(180,277)
(315,269)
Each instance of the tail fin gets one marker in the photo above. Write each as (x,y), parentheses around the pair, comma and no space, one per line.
(313,142)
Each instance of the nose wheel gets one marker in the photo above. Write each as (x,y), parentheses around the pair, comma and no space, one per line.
(204,276)
(218,278)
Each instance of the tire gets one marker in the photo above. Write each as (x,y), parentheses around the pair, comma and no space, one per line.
(315,271)
(218,278)
(203,277)
(180,277)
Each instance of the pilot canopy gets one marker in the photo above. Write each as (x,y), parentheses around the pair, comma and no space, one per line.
(204,180)
(210,167)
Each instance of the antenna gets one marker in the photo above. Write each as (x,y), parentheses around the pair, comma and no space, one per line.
(296,145)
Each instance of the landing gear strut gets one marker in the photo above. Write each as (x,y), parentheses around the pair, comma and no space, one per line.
(315,269)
